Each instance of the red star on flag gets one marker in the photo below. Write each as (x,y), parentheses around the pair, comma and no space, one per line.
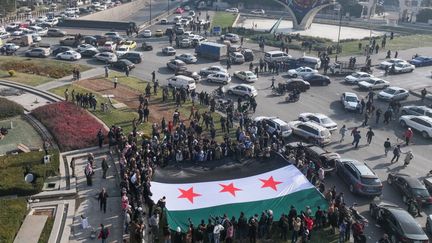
(189,194)
(270,182)
(230,188)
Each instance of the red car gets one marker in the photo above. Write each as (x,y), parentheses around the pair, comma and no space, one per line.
(179,11)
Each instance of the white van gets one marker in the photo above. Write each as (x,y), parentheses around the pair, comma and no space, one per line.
(181,81)
(276,56)
(312,62)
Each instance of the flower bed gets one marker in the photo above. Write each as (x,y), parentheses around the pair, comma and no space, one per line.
(72,127)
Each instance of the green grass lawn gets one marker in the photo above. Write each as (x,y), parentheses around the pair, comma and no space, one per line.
(44,237)
(13,168)
(12,214)
(22,132)
(25,78)
(223,19)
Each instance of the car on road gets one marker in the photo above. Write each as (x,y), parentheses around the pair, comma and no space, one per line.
(109,46)
(121,50)
(107,57)
(357,77)
(131,44)
(220,77)
(11,47)
(301,72)
(133,56)
(56,33)
(39,30)
(244,90)
(258,11)
(275,126)
(189,74)
(421,61)
(89,53)
(147,34)
(232,10)
(69,55)
(373,83)
(180,81)
(176,65)
(422,124)
(158,33)
(311,132)
(112,34)
(359,177)
(69,41)
(36,37)
(319,119)
(4,35)
(296,83)
(169,51)
(236,58)
(61,49)
(246,76)
(84,47)
(393,93)
(163,21)
(185,43)
(429,224)
(187,58)
(416,110)
(179,10)
(397,223)
(350,101)
(248,54)
(317,79)
(410,187)
(388,63)
(212,69)
(123,64)
(321,157)
(37,52)
(403,68)
(230,37)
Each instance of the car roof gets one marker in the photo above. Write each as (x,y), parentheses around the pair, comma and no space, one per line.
(411,181)
(319,115)
(423,107)
(406,221)
(361,167)
(396,88)
(279,121)
(314,125)
(350,94)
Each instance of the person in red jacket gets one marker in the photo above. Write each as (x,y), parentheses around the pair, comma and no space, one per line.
(408,135)
(103,234)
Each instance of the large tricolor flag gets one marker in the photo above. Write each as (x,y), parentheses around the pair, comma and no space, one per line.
(276,190)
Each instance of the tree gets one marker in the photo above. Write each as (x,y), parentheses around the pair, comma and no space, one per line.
(424,15)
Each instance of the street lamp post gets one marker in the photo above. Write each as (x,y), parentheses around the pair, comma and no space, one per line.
(150,12)
(340,27)
(168,7)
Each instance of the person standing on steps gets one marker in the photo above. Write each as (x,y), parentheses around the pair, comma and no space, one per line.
(102,198)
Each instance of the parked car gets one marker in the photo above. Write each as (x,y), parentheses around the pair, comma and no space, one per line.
(70,41)
(131,44)
(244,90)
(319,119)
(275,126)
(168,51)
(4,35)
(232,10)
(397,223)
(258,11)
(163,21)
(311,132)
(357,77)
(133,56)
(230,37)
(373,83)
(248,54)
(296,83)
(121,50)
(236,58)
(176,65)
(61,49)
(158,33)
(422,124)
(403,68)
(84,47)
(317,79)
(220,77)
(421,61)
(410,187)
(321,157)
(37,52)
(212,69)
(185,43)
(187,58)
(147,34)
(350,101)
(179,10)
(123,64)
(109,46)
(189,74)
(246,76)
(107,57)
(359,177)
(388,63)
(301,72)
(56,33)
(89,53)
(393,94)
(69,55)
(416,110)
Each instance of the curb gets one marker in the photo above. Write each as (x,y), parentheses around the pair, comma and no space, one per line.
(47,95)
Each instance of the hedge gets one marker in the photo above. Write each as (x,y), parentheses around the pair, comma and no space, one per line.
(9,108)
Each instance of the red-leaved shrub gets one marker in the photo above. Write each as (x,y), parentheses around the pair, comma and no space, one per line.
(72,127)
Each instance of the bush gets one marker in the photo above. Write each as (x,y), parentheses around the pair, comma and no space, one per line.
(11,73)
(12,214)
(9,108)
(72,127)
(49,69)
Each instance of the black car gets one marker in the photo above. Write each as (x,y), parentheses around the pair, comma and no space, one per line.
(90,40)
(318,155)
(133,56)
(248,55)
(61,49)
(410,187)
(296,83)
(397,223)
(317,79)
(122,64)
(89,53)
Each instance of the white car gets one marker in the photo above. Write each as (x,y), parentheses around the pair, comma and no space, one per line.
(258,11)
(221,77)
(19,32)
(311,132)
(36,38)
(417,110)
(108,46)
(41,19)
(147,34)
(319,119)
(301,71)
(393,93)
(230,37)
(121,50)
(232,10)
(350,101)
(185,43)
(4,35)
(11,46)
(112,34)
(85,47)
(107,57)
(275,125)
(39,30)
(244,90)
(373,83)
(403,68)
(423,124)
(356,77)
(390,62)
(69,55)
(187,58)
(52,22)
(212,69)
(246,76)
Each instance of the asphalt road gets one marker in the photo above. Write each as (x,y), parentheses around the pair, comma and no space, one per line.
(324,100)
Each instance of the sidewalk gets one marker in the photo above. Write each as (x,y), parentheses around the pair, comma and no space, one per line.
(68,79)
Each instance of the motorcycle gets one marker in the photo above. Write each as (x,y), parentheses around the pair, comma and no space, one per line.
(293,97)
(278,91)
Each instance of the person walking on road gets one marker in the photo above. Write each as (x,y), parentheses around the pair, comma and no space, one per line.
(356,140)
(105,168)
(408,136)
(366,119)
(106,71)
(103,196)
(272,82)
(369,135)
(104,233)
(423,94)
(342,132)
(396,154)
(387,146)
(378,113)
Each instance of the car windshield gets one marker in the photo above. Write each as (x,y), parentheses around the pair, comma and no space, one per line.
(370,181)
(250,74)
(420,192)
(326,120)
(351,99)
(389,91)
(285,128)
(371,81)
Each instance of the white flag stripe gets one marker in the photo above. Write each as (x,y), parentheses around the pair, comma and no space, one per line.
(292,180)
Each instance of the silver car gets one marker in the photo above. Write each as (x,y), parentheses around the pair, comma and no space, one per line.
(417,110)
(37,52)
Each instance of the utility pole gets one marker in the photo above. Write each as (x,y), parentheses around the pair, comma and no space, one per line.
(168,7)
(340,27)
(150,12)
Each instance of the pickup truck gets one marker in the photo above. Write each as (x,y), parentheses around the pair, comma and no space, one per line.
(70,41)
